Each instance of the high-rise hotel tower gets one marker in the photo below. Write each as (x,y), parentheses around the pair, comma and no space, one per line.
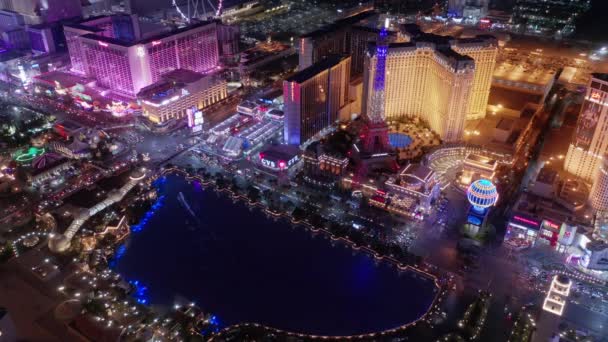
(590,141)
(119,60)
(425,78)
(483,49)
(313,98)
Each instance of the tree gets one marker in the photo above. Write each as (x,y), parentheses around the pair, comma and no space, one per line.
(94,307)
(253,194)
(6,253)
(298,214)
(234,187)
(289,206)
(220,181)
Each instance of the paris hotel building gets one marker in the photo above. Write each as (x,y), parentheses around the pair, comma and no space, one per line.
(424,80)
(439,79)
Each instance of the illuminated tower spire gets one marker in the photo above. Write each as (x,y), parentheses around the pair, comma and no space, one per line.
(375,135)
(376,114)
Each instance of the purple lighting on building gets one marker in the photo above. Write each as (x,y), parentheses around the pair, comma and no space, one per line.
(376,114)
(381,51)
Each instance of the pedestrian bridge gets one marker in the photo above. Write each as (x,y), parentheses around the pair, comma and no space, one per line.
(61,242)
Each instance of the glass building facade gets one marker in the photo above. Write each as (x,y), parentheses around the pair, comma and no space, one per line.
(313,98)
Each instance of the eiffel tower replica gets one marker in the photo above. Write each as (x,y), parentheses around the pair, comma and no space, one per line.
(375,151)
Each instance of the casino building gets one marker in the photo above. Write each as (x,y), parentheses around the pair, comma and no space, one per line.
(409,193)
(348,36)
(179,90)
(112,51)
(540,221)
(323,166)
(590,141)
(428,78)
(414,181)
(447,79)
(314,97)
(279,159)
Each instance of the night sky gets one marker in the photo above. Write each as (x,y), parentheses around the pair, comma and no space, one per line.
(593,25)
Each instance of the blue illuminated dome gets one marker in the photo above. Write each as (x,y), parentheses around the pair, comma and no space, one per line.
(482,194)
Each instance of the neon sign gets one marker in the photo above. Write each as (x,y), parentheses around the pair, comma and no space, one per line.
(551,224)
(118,108)
(29,155)
(282,165)
(195,119)
(525,220)
(546,233)
(268,163)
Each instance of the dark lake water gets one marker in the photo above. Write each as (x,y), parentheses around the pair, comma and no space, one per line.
(244,267)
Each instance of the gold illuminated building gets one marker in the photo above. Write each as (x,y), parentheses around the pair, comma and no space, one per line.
(428,80)
(179,91)
(484,50)
(589,144)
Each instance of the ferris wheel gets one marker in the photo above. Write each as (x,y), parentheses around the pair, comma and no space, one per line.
(195,8)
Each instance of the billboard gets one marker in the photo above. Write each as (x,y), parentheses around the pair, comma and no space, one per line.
(526,222)
(588,120)
(195,119)
(567,234)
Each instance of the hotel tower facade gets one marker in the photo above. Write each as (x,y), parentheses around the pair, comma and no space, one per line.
(426,79)
(589,144)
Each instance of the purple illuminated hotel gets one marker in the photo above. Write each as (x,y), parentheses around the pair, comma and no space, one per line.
(111,50)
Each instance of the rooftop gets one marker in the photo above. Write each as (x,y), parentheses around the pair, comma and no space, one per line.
(444,44)
(423,173)
(66,80)
(512,98)
(547,176)
(183,76)
(147,40)
(280,152)
(248,105)
(176,31)
(505,124)
(70,125)
(480,159)
(438,43)
(313,70)
(276,112)
(600,76)
(108,40)
(339,24)
(524,72)
(597,245)
(169,84)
